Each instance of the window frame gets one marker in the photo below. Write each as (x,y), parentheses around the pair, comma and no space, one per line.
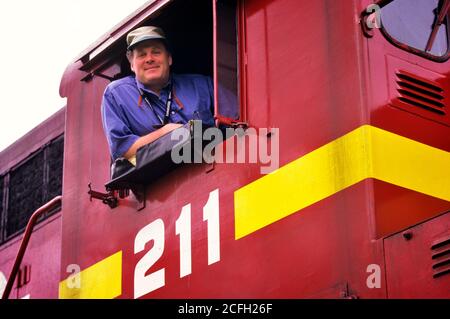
(408,48)
(241,93)
(127,179)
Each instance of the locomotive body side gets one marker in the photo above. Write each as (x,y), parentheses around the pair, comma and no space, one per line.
(323,225)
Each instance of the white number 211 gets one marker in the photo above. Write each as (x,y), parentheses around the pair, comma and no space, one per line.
(144,284)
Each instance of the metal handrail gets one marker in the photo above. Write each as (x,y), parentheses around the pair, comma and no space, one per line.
(26,238)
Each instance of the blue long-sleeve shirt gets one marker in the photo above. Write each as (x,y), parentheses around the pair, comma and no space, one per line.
(126,117)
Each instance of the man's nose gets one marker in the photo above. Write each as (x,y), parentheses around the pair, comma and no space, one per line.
(149,59)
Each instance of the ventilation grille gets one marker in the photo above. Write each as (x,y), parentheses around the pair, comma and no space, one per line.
(440,255)
(419,92)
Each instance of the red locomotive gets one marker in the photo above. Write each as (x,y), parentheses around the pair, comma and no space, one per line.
(349,100)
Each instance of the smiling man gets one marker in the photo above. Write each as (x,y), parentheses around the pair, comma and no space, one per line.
(138,109)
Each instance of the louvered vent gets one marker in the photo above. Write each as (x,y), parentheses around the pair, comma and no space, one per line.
(420,92)
(440,255)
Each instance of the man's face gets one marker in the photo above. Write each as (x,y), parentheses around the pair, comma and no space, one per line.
(151,62)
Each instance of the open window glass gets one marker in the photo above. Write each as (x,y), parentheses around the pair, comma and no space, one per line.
(227,110)
(419,26)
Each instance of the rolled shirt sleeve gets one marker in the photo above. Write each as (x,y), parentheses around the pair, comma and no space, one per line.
(120,137)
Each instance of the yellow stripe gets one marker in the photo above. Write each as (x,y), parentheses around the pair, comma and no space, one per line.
(410,164)
(100,281)
(367,152)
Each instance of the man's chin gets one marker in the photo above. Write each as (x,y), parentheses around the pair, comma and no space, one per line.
(153,83)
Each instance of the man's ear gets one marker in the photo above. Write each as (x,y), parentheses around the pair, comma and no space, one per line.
(170,60)
(130,59)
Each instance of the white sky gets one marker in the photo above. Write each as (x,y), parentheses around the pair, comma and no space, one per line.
(39,39)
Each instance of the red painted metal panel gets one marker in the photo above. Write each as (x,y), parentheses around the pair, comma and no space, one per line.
(23,274)
(398,208)
(303,255)
(43,256)
(299,73)
(409,263)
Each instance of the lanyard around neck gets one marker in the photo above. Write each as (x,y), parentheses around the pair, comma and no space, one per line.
(168,106)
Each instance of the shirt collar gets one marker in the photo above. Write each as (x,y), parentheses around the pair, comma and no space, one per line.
(142,87)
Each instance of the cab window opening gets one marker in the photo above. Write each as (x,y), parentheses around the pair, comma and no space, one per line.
(191,39)
(191,45)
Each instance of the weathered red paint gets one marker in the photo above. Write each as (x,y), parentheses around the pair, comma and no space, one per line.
(306,68)
(43,255)
(23,247)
